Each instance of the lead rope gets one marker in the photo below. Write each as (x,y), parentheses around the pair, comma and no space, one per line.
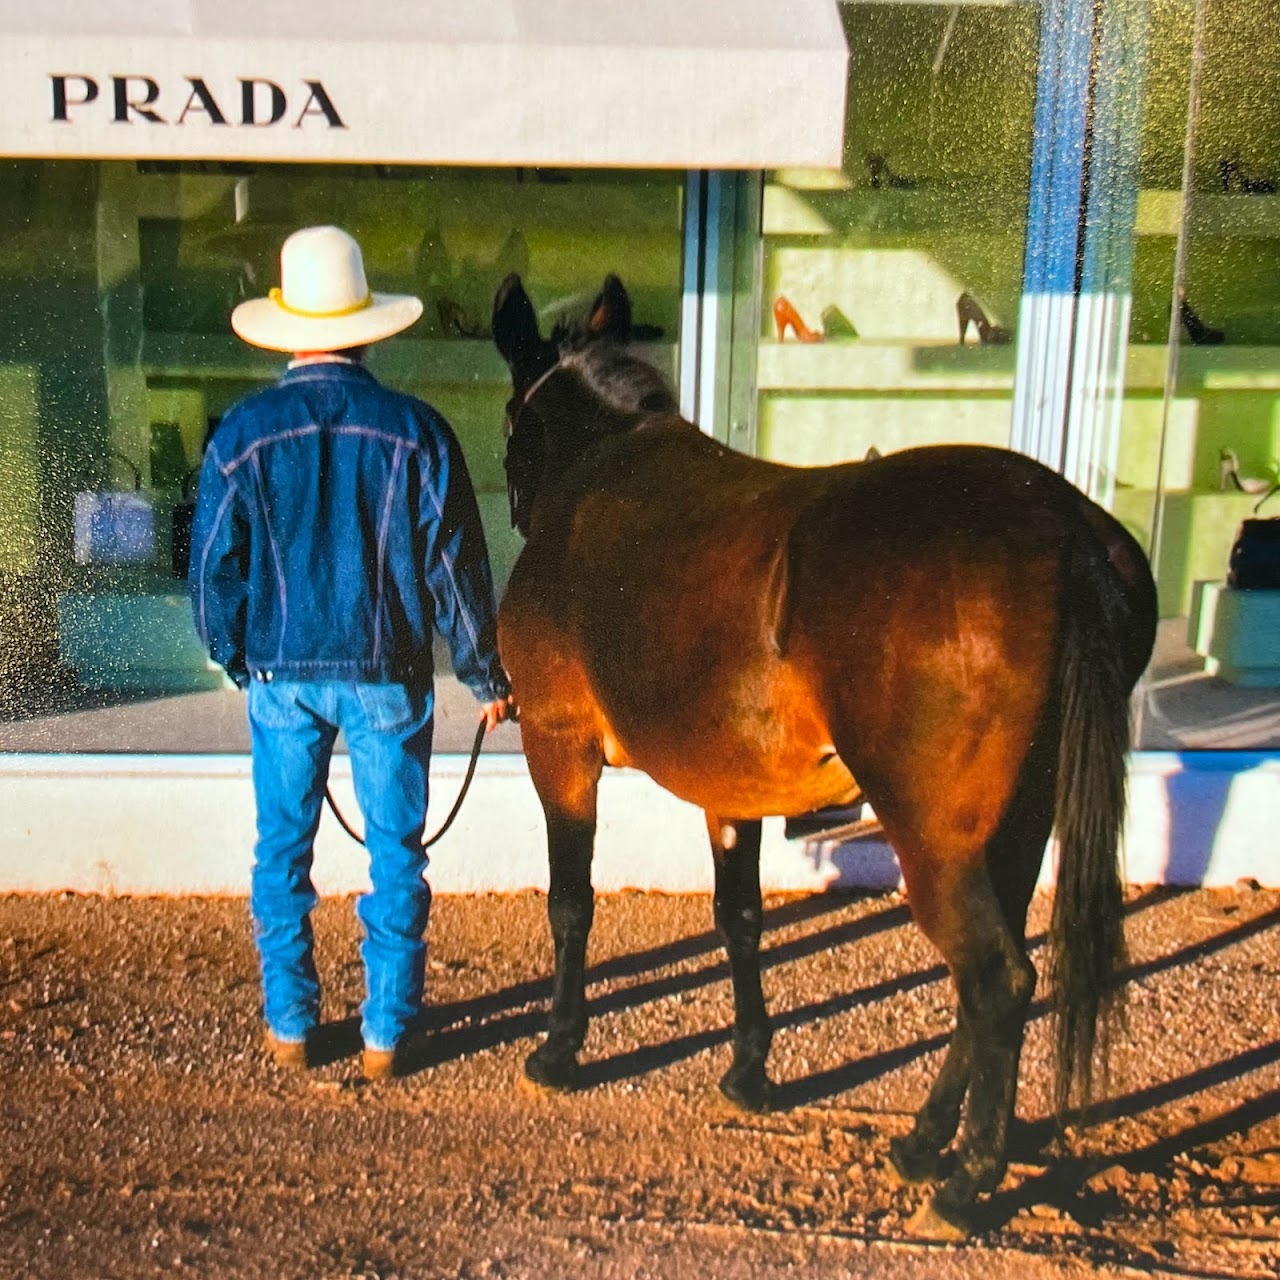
(453,813)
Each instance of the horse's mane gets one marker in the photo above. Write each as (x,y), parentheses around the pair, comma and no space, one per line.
(623,381)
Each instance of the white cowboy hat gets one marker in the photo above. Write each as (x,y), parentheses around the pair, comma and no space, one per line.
(324,302)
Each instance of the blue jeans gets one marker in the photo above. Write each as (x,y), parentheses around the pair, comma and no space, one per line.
(388,732)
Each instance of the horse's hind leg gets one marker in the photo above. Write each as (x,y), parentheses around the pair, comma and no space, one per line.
(739,921)
(565,776)
(994,981)
(918,1156)
(974,910)
(1013,859)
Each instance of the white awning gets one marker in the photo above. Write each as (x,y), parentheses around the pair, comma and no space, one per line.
(714,84)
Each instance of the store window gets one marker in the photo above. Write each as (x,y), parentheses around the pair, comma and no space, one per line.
(891,289)
(1200,435)
(864,341)
(116,283)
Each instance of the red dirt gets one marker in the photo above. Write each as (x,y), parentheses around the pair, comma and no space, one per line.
(145,1133)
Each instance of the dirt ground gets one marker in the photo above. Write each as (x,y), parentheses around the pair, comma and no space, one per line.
(143,1133)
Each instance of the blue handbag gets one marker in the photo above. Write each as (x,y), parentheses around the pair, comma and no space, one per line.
(114,526)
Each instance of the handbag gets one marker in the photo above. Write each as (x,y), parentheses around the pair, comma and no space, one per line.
(1254,561)
(114,526)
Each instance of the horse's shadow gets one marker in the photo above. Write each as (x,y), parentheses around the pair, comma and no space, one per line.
(819,1086)
(507,1016)
(636,1062)
(516,1012)
(1066,1183)
(457,1028)
(804,1091)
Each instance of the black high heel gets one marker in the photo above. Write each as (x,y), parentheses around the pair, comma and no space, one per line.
(882,176)
(457,321)
(1231,177)
(967,311)
(1201,334)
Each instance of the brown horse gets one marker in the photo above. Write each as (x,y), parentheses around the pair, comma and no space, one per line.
(950,633)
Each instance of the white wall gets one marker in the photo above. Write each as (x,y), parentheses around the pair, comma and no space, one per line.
(131,824)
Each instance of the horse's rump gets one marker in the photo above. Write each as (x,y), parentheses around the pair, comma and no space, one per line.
(732,617)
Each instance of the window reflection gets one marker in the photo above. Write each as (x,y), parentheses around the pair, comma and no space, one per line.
(1200,438)
(891,289)
(117,357)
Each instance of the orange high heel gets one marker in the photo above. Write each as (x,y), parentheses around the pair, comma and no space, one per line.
(785,314)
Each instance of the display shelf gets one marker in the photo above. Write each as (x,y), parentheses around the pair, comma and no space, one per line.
(1212,214)
(1224,368)
(858,366)
(883,366)
(201,355)
(1237,633)
(440,361)
(970,205)
(488,204)
(814,211)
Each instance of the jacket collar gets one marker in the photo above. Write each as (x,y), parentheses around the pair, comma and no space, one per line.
(326,371)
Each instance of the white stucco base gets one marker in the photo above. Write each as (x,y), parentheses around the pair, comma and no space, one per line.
(129,824)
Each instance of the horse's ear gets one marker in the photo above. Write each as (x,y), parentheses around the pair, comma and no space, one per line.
(611,311)
(515,323)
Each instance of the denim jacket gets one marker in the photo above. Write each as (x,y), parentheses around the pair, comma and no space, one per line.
(335,526)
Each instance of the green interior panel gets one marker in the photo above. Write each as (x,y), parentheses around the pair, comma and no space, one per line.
(19,467)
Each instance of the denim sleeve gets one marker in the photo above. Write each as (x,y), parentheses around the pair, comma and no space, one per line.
(218,572)
(457,568)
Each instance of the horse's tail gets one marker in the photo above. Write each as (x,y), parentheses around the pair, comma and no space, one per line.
(1102,624)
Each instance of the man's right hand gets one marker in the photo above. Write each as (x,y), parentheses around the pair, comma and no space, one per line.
(494,713)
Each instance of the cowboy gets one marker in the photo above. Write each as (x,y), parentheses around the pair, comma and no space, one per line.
(335,527)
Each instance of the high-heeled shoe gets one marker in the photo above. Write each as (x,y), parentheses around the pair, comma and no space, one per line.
(1201,334)
(785,314)
(835,324)
(884,177)
(454,319)
(1229,476)
(1231,177)
(543,175)
(967,311)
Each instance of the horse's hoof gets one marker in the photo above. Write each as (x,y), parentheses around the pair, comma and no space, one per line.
(930,1223)
(551,1073)
(749,1090)
(530,1088)
(909,1165)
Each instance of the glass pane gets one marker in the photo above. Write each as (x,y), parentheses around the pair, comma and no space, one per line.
(118,280)
(1206,320)
(890,290)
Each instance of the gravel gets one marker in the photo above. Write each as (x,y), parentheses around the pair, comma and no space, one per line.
(143,1132)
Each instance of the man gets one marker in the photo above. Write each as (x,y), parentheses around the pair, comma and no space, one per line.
(336,526)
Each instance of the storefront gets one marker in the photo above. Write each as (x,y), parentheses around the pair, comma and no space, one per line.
(809,206)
